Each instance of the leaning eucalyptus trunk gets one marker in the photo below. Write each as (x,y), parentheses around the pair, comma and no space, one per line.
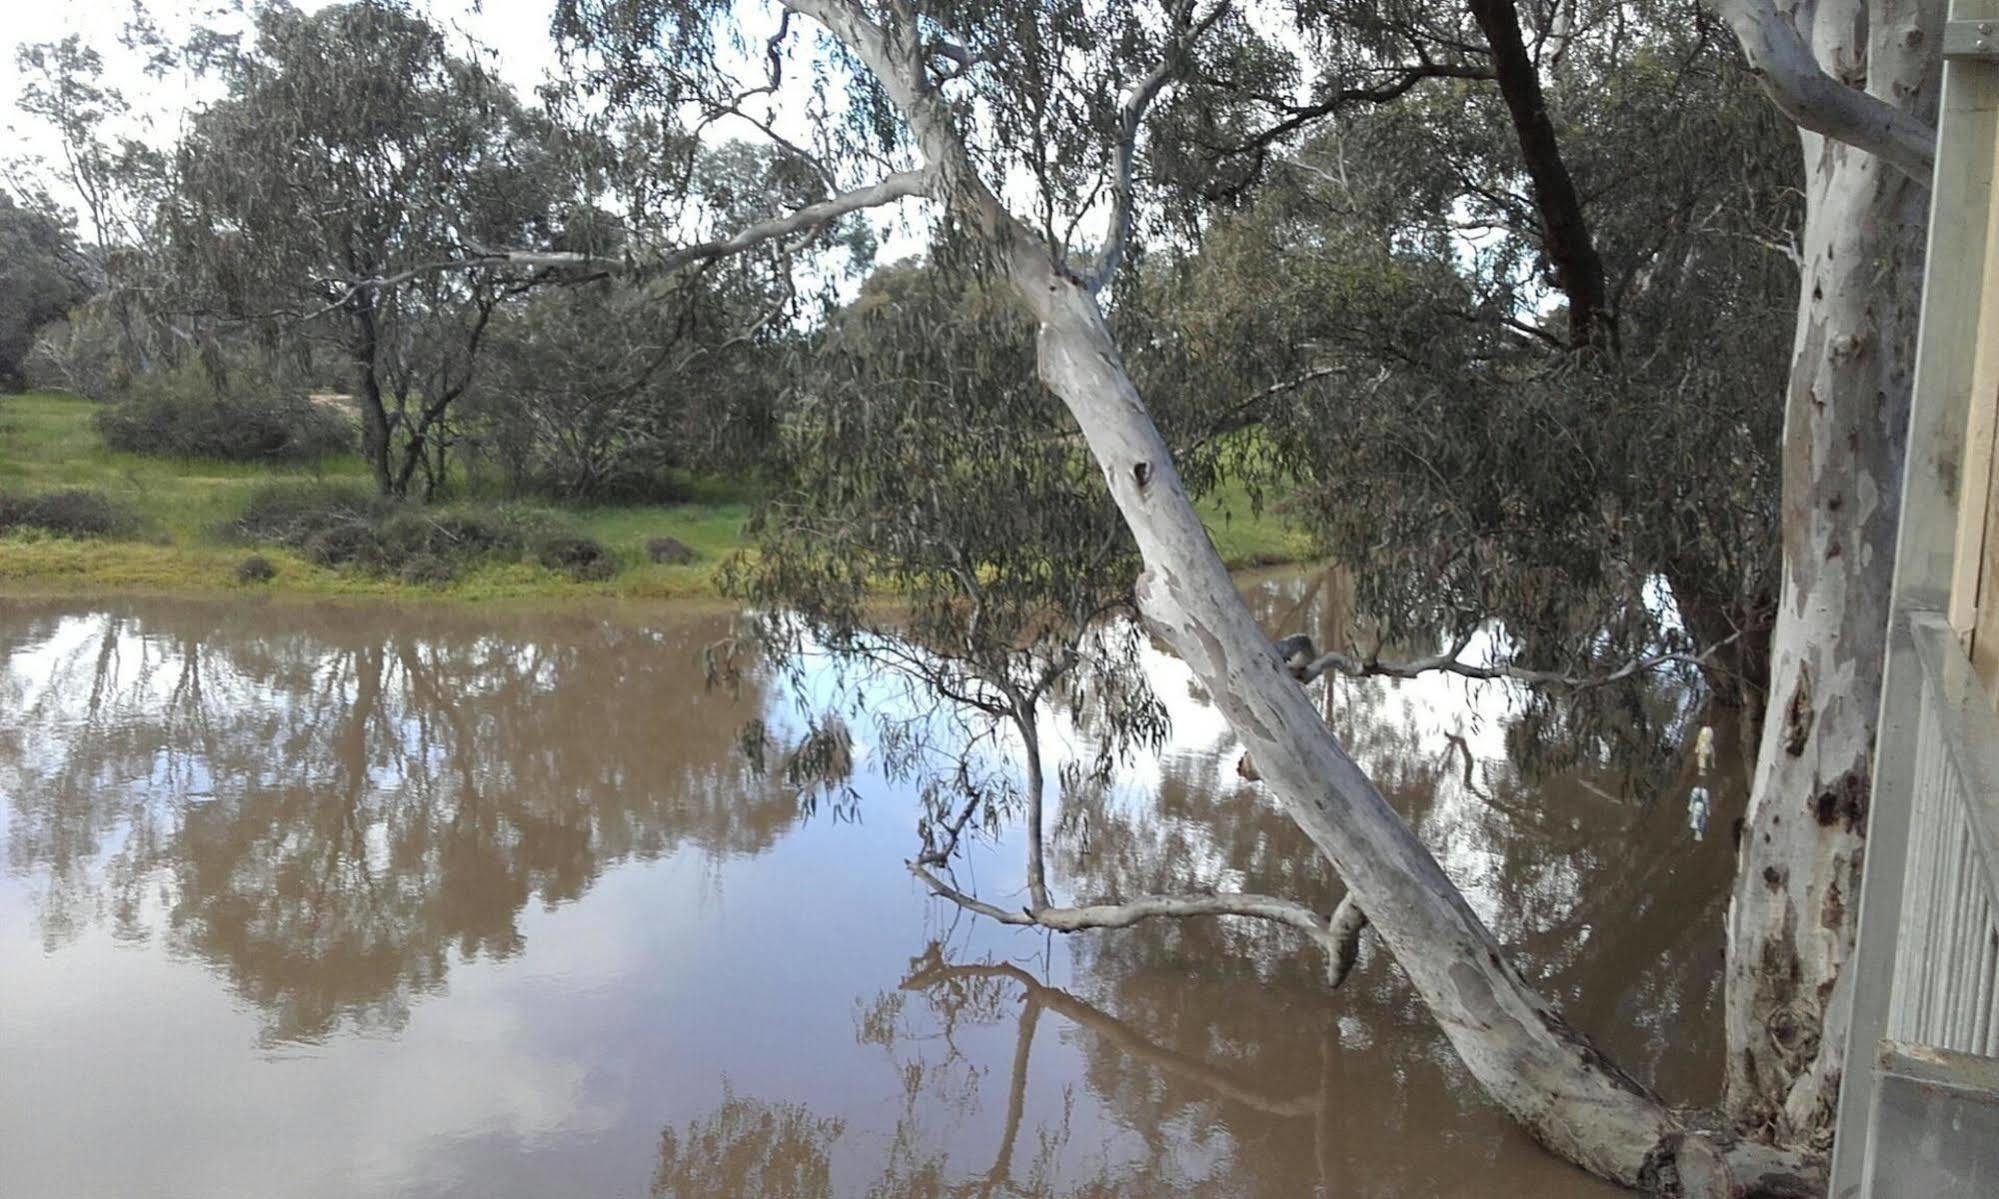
(1796,904)
(1528,1059)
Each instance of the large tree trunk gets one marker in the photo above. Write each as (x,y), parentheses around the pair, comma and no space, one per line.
(1795,909)
(1565,234)
(1549,1077)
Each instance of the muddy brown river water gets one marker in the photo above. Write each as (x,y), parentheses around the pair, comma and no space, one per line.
(342,901)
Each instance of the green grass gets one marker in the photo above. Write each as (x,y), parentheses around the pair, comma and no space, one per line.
(1247,537)
(49,441)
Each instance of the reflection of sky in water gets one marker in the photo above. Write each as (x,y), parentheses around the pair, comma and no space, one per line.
(142,1064)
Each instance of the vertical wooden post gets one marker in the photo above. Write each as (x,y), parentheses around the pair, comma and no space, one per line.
(1974,591)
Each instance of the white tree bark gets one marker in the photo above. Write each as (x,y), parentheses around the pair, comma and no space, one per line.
(1551,1079)
(1813,80)
(1566,1093)
(1795,909)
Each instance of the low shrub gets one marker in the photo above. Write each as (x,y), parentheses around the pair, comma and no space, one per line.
(462,534)
(180,412)
(292,513)
(668,551)
(583,558)
(341,545)
(255,569)
(70,512)
(339,525)
(427,570)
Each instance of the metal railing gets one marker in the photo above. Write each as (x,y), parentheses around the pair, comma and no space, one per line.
(1946,984)
(1919,1109)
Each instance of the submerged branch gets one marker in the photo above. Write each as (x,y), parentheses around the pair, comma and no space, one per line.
(1339,936)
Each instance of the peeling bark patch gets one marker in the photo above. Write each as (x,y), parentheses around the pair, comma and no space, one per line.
(1833,914)
(1790,1020)
(1141,474)
(1798,714)
(1217,662)
(1659,1173)
(1475,994)
(1844,802)
(1773,877)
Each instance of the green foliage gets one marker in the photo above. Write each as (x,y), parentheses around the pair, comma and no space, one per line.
(604,391)
(249,414)
(69,512)
(352,159)
(1384,318)
(921,457)
(933,519)
(39,282)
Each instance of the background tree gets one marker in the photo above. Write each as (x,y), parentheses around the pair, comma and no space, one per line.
(611,388)
(353,165)
(1388,317)
(920,459)
(39,282)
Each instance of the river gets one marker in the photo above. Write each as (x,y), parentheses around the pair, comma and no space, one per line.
(302,900)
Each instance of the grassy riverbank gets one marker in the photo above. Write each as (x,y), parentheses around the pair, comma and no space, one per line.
(49,442)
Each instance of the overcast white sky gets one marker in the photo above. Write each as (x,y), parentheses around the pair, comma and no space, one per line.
(517,29)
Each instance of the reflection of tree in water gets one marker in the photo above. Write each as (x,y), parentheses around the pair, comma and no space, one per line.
(1219,1089)
(747,1147)
(1214,1045)
(327,815)
(1587,874)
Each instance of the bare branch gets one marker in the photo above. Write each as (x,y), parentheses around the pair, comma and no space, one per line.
(1131,113)
(895,187)
(1246,412)
(1802,89)
(1297,653)
(1400,81)
(1148,907)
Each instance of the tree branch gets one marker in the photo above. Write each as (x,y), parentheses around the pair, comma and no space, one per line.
(1297,652)
(895,187)
(1804,92)
(1339,937)
(1131,112)
(1565,232)
(1401,81)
